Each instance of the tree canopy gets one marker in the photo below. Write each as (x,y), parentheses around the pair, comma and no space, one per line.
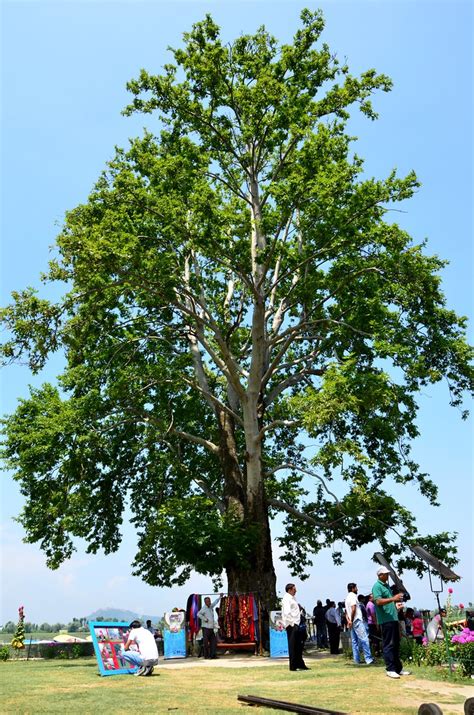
(234,290)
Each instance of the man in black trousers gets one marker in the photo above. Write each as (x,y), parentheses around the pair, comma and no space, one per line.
(291,616)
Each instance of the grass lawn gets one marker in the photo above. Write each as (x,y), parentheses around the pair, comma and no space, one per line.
(74,686)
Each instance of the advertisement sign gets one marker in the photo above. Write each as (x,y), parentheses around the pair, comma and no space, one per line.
(109,638)
(278,638)
(174,635)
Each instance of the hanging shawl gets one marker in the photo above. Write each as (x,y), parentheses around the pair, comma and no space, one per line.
(192,607)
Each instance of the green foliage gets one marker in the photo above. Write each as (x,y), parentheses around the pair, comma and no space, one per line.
(464,655)
(4,653)
(233,286)
(407,647)
(47,651)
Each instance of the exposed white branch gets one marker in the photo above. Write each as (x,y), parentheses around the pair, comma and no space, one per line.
(230,291)
(210,446)
(303,470)
(214,400)
(277,423)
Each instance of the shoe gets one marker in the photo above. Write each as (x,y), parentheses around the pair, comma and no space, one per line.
(370,662)
(305,667)
(405,672)
(392,674)
(141,670)
(149,670)
(293,669)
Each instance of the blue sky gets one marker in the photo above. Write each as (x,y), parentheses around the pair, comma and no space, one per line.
(64,70)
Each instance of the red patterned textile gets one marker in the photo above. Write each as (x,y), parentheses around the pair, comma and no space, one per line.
(237,618)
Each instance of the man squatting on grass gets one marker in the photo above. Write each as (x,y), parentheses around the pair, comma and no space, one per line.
(148,655)
(291,616)
(386,606)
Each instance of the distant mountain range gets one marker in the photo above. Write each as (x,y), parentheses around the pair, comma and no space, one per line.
(121,615)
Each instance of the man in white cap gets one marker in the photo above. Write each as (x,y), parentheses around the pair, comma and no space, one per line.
(386,607)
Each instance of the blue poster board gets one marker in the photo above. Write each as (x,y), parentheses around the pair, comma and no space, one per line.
(278,637)
(174,635)
(108,638)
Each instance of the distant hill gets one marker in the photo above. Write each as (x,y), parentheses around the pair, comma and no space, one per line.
(121,615)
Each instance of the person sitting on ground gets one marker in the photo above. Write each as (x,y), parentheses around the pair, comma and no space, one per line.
(147,655)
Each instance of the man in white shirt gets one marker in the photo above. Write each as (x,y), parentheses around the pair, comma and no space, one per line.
(291,616)
(208,623)
(356,625)
(147,655)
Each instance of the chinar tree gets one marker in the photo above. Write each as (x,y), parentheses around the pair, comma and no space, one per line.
(233,293)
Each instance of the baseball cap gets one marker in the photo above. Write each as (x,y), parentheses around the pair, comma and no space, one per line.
(382,569)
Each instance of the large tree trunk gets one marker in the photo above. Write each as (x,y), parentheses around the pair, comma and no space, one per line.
(249,506)
(259,576)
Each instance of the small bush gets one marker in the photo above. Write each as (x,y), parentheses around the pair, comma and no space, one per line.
(4,653)
(47,651)
(406,648)
(464,654)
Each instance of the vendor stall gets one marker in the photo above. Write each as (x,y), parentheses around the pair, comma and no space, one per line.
(239,619)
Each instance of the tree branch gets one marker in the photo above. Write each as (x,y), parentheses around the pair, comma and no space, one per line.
(213,448)
(292,380)
(276,423)
(301,514)
(291,465)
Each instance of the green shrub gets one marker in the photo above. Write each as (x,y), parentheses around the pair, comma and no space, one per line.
(406,648)
(464,655)
(47,650)
(4,652)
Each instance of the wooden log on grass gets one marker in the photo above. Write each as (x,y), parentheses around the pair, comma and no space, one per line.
(289,707)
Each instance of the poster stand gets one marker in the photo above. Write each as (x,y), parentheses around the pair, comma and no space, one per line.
(108,638)
(174,635)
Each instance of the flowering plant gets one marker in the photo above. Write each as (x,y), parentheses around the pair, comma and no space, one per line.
(466,636)
(18,640)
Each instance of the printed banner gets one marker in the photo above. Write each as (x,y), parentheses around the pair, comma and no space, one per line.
(278,637)
(109,638)
(174,635)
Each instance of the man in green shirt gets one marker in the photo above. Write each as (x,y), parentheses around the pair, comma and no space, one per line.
(387,616)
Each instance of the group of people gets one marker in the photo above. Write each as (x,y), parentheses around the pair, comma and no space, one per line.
(363,617)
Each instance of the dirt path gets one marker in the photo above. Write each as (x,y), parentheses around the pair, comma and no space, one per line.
(439,692)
